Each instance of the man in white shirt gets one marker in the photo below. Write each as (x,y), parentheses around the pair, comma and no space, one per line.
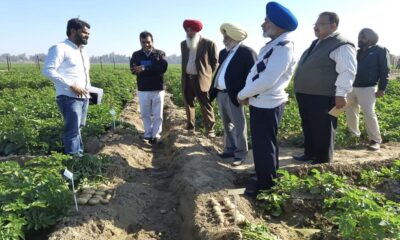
(265,92)
(324,77)
(67,65)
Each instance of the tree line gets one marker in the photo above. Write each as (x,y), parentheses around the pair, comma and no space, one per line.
(105,58)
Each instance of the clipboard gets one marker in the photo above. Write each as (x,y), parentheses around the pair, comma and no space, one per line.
(96,95)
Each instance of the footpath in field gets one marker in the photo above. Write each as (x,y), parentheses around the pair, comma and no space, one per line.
(164,191)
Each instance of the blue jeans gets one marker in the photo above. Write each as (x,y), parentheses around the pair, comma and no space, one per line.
(74,112)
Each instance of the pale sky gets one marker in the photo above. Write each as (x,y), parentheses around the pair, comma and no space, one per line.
(33,26)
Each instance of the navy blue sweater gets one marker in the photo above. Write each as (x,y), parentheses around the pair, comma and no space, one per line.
(373,67)
(152,78)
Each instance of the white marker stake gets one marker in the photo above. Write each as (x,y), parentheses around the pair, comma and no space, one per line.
(235,193)
(70,176)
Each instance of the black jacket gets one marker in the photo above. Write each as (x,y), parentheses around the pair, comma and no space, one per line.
(152,78)
(373,67)
(236,72)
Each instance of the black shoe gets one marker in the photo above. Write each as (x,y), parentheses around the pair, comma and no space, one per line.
(145,139)
(225,155)
(314,162)
(155,141)
(302,158)
(251,192)
(252,189)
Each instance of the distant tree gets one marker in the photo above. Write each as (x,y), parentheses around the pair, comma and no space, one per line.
(173,59)
(106,58)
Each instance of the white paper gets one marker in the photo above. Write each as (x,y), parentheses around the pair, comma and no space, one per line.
(98,91)
(337,111)
(237,191)
(68,174)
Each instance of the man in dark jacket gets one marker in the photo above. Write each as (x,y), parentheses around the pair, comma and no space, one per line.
(373,63)
(235,62)
(149,65)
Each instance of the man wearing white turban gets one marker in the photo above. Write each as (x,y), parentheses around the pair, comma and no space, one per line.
(235,62)
(373,63)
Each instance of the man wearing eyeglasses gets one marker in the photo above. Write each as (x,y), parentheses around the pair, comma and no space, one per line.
(323,78)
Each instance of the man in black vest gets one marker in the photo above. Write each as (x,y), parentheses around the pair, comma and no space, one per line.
(323,78)
(235,62)
(373,64)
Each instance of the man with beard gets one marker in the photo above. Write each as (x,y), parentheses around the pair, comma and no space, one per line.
(199,61)
(373,63)
(149,65)
(235,62)
(67,65)
(324,77)
(265,92)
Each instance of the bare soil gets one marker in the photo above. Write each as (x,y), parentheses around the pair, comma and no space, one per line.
(163,191)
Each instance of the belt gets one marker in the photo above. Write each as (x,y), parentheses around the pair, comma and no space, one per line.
(224,91)
(191,76)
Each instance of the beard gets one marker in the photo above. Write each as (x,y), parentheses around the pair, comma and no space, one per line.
(192,43)
(269,33)
(81,40)
(229,44)
(362,44)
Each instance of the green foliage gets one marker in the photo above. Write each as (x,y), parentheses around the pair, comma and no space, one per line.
(376,177)
(363,214)
(274,199)
(89,167)
(32,197)
(256,232)
(30,121)
(359,213)
(324,183)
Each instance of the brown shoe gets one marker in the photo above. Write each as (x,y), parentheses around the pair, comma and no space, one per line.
(374,146)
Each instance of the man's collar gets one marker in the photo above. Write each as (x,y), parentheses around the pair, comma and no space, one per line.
(71,43)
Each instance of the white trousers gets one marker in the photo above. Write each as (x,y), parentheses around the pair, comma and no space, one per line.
(151,108)
(363,97)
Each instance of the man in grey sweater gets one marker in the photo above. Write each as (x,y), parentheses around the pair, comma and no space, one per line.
(323,78)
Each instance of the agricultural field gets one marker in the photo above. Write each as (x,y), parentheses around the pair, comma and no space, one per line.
(180,189)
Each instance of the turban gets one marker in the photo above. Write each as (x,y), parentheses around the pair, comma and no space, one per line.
(234,32)
(195,25)
(281,16)
(370,35)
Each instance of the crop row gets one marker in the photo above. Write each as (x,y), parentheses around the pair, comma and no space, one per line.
(30,121)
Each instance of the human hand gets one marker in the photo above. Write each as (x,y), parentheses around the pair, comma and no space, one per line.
(138,69)
(80,92)
(243,102)
(379,93)
(340,102)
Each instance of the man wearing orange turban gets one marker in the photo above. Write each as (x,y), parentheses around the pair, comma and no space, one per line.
(199,61)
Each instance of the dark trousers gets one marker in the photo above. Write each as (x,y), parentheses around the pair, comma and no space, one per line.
(319,127)
(264,124)
(192,92)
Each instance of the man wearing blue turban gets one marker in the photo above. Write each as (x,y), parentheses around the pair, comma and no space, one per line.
(265,93)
